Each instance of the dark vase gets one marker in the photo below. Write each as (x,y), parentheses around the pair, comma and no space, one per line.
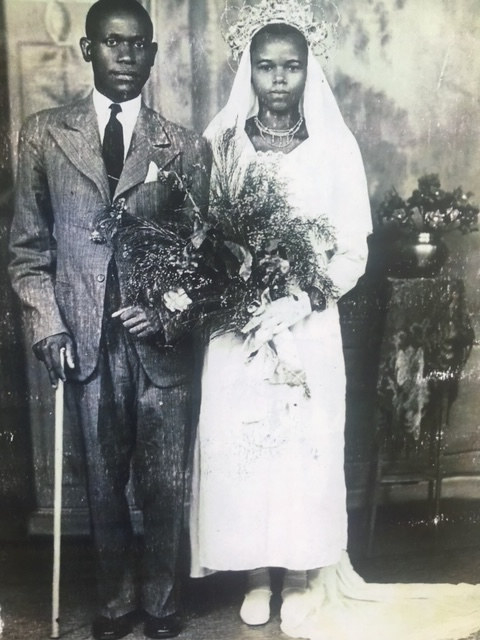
(421,255)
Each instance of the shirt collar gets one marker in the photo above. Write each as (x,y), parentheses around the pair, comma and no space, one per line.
(130,108)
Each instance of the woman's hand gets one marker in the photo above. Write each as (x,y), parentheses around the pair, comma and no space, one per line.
(275,317)
(280,314)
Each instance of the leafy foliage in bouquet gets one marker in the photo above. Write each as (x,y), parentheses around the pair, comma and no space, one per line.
(429,209)
(251,216)
(247,249)
(153,259)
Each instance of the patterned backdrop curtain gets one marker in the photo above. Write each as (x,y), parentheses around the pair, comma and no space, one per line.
(406,75)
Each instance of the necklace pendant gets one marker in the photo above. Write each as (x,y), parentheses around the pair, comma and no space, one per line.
(284,136)
(282,141)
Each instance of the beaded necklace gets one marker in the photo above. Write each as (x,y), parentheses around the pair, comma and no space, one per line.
(284,136)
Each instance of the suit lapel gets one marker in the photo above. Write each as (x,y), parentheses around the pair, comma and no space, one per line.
(77,135)
(151,142)
(79,139)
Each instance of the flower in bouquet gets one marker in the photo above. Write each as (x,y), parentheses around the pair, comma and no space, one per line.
(429,209)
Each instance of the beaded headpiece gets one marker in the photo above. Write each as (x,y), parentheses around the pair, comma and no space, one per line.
(240,24)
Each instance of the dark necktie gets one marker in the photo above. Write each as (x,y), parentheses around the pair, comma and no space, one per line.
(113,150)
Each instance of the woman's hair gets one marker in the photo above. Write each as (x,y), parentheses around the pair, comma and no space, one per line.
(103,8)
(279,31)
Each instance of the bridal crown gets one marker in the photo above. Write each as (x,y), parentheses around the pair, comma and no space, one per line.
(241,24)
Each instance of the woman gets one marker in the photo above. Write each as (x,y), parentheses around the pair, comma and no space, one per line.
(271,458)
(268,481)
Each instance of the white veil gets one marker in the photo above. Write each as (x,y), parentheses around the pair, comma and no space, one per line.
(318,105)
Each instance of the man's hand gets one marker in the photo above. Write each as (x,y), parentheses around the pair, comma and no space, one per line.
(48,352)
(140,322)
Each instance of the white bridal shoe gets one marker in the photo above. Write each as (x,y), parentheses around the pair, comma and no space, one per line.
(255,609)
(297,605)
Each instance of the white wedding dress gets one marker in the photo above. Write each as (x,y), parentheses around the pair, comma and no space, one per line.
(270,459)
(268,478)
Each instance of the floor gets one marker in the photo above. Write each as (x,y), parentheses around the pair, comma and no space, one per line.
(407,548)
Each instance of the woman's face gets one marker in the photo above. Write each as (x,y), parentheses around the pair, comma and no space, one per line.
(279,72)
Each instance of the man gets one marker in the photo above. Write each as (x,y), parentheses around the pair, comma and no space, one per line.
(131,391)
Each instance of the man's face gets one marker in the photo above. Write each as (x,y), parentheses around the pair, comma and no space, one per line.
(121,53)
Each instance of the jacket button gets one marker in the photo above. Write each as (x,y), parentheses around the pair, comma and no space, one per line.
(100,277)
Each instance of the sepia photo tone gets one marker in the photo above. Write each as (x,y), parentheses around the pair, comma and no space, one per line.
(405,75)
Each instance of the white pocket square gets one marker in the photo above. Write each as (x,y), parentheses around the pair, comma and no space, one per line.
(152,173)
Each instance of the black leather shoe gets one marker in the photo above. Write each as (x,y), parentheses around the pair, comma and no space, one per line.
(167,627)
(104,628)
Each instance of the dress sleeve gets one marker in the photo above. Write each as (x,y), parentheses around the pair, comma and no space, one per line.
(352,220)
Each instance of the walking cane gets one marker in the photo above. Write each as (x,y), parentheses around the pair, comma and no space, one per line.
(57,503)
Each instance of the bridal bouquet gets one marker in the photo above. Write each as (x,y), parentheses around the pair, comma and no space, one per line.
(276,249)
(248,249)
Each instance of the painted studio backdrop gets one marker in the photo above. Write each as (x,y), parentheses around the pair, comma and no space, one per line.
(406,74)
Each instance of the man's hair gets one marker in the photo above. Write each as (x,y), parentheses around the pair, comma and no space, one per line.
(103,8)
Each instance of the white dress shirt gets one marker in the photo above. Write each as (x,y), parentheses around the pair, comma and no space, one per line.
(127,117)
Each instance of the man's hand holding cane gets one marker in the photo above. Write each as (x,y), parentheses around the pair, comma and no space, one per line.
(49,350)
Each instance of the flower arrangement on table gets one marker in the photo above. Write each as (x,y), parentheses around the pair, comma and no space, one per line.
(408,238)
(246,251)
(429,209)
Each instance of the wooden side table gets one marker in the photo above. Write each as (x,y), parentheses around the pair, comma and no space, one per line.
(426,342)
